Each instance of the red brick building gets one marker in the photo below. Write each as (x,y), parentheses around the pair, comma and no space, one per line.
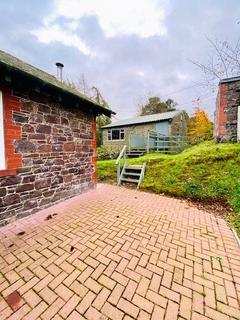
(47,139)
(227,114)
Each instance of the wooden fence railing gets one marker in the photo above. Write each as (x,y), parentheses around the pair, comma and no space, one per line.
(165,144)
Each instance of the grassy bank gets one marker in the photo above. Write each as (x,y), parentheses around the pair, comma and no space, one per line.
(208,173)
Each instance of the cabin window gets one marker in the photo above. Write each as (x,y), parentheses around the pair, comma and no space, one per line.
(2,146)
(116,134)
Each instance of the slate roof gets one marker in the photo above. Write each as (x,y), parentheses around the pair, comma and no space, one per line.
(144,119)
(232,79)
(13,63)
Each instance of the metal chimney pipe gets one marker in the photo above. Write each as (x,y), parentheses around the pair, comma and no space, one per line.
(59,71)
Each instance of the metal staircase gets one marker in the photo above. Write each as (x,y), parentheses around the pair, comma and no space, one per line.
(133,174)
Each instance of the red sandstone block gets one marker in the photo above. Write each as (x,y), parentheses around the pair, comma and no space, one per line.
(10,172)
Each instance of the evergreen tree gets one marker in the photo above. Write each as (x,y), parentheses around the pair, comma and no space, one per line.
(155,105)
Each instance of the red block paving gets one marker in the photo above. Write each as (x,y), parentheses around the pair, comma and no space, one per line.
(116,253)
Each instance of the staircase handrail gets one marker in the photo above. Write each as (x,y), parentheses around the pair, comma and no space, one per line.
(121,155)
(142,175)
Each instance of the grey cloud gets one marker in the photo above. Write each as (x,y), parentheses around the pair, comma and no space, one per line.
(115,68)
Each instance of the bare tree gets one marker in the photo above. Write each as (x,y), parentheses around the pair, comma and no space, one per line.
(81,85)
(224,62)
(94,93)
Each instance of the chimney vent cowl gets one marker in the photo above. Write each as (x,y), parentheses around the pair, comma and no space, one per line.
(60,67)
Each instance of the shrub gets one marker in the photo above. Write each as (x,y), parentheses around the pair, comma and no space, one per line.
(104,153)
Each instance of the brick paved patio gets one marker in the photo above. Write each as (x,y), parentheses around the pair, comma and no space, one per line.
(115,253)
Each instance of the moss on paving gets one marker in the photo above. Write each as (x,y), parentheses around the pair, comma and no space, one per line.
(208,172)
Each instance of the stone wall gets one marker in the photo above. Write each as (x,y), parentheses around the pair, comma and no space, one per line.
(50,155)
(226,112)
(179,125)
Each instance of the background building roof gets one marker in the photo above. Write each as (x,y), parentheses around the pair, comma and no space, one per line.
(144,119)
(232,79)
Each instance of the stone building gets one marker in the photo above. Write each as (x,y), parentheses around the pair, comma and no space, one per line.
(227,113)
(133,132)
(47,139)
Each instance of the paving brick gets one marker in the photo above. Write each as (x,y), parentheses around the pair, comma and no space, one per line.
(122,265)
(143,286)
(133,263)
(167,279)
(149,263)
(128,308)
(101,298)
(75,316)
(130,290)
(116,294)
(158,313)
(69,306)
(79,289)
(198,302)
(156,298)
(143,315)
(120,278)
(220,293)
(144,272)
(172,311)
(53,309)
(107,282)
(93,314)
(72,276)
(172,295)
(85,274)
(31,298)
(12,276)
(143,303)
(210,299)
(20,313)
(36,311)
(215,315)
(63,292)
(29,285)
(48,295)
(57,280)
(155,283)
(98,271)
(112,312)
(182,290)
(197,316)
(185,307)
(233,312)
(91,262)
(230,289)
(86,302)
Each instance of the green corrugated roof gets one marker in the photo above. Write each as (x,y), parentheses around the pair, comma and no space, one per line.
(19,65)
(144,119)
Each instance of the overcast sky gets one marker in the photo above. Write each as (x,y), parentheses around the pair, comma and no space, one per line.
(129,49)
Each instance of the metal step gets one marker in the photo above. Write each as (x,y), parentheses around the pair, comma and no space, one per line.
(129,180)
(134,167)
(134,155)
(135,152)
(131,174)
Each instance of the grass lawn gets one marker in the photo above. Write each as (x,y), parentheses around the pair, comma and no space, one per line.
(209,173)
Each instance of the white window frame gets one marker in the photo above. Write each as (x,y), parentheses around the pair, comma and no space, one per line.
(121,130)
(2,144)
